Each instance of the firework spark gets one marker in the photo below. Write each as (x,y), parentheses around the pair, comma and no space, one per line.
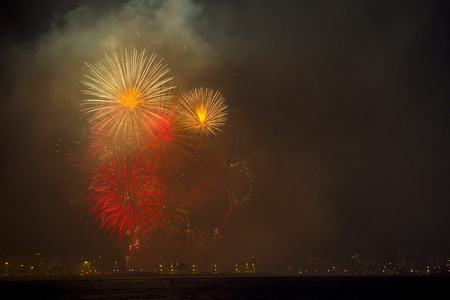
(125,91)
(202,111)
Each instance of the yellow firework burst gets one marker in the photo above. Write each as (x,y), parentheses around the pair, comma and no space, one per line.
(125,90)
(202,111)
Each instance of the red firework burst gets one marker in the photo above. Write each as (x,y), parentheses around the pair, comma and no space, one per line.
(126,194)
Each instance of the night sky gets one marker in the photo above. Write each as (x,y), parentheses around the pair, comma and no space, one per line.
(350,98)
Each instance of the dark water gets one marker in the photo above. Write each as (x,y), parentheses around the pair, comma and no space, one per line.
(232,288)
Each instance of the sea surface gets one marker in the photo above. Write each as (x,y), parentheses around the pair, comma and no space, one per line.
(231,288)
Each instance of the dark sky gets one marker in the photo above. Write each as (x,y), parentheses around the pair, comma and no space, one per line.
(350,97)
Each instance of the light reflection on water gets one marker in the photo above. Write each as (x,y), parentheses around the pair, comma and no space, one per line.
(231,288)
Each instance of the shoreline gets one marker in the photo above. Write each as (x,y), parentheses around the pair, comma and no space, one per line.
(155,276)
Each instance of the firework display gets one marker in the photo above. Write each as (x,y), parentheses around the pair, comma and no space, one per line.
(157,163)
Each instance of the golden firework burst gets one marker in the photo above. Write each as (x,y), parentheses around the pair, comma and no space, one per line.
(125,91)
(202,111)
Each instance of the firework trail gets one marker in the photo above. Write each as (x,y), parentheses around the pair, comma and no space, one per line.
(202,111)
(125,91)
(218,234)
